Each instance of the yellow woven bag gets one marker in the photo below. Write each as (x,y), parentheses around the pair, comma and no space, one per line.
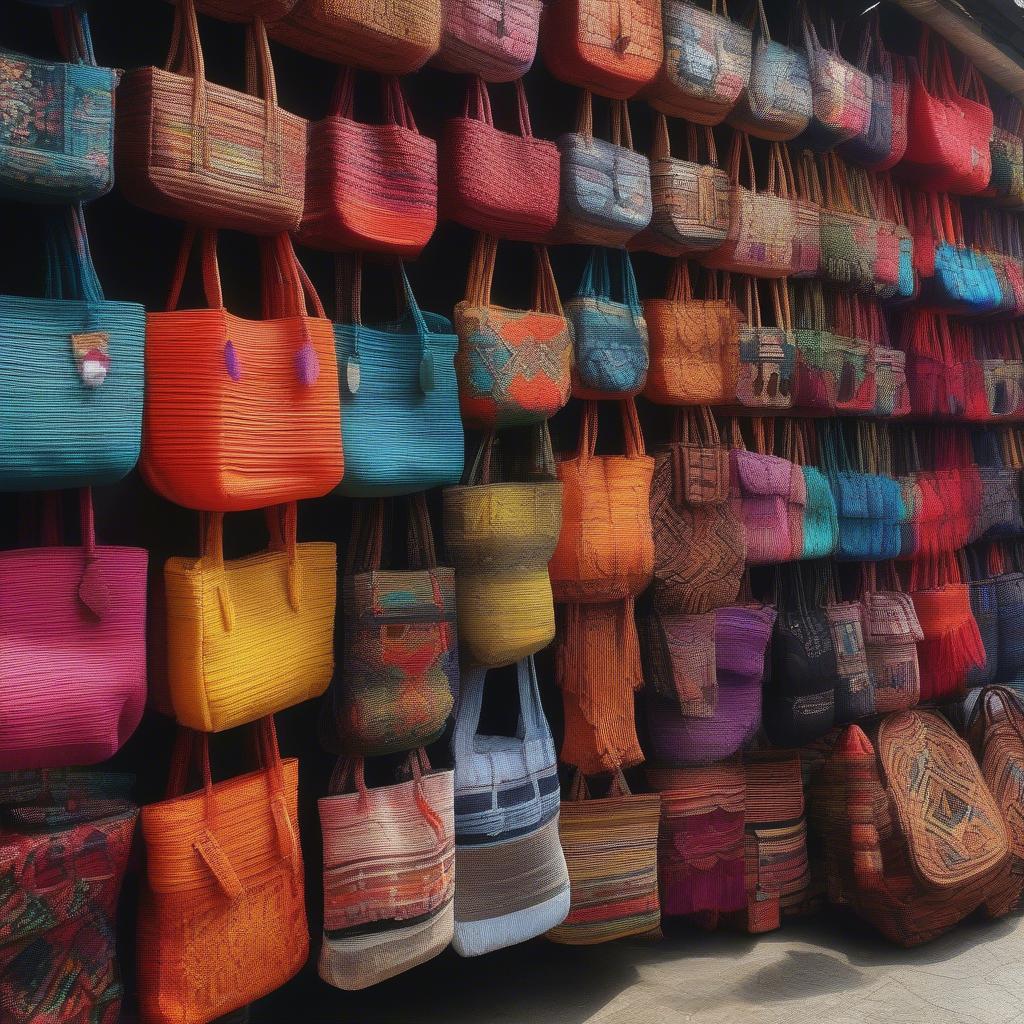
(252,636)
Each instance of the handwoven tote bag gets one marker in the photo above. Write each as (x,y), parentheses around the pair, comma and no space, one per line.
(678,653)
(688,340)
(389,872)
(612,50)
(57,141)
(891,635)
(964,280)
(875,144)
(935,384)
(767,352)
(498,44)
(73,637)
(805,190)
(605,187)
(251,636)
(707,62)
(498,182)
(400,662)
(240,414)
(371,187)
(820,519)
(206,154)
(222,914)
(609,330)
(892,394)
(777,102)
(71,372)
(849,237)
(514,365)
(893,233)
(690,198)
(400,426)
(611,849)
(394,40)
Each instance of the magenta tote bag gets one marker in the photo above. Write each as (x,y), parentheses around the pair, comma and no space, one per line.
(72,648)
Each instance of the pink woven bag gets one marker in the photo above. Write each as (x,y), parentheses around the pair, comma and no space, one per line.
(72,648)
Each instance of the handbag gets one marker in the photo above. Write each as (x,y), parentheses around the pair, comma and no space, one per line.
(896,277)
(369,186)
(891,634)
(805,189)
(611,850)
(222,915)
(57,140)
(388,875)
(498,45)
(849,230)
(498,182)
(820,519)
(241,414)
(984,594)
(71,391)
(965,280)
(1006,185)
(400,426)
(874,145)
(678,654)
(767,353)
(605,187)
(999,510)
(892,394)
(935,381)
(514,365)
(707,62)
(609,331)
(73,634)
(249,637)
(206,154)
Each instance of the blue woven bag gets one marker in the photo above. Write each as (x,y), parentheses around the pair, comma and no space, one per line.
(965,278)
(821,522)
(400,426)
(57,120)
(71,373)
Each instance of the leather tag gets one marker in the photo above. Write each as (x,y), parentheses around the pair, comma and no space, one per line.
(92,356)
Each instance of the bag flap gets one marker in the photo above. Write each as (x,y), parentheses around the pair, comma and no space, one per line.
(705,475)
(401,596)
(763,475)
(890,615)
(851,490)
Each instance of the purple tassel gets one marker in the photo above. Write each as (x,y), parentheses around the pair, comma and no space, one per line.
(307,365)
(232,363)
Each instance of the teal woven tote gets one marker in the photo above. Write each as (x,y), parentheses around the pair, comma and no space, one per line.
(400,425)
(71,373)
(821,521)
(57,120)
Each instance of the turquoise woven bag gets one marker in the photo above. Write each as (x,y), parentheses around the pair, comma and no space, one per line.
(400,425)
(71,373)
(821,521)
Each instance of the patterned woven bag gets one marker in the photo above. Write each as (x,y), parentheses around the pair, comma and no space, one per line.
(605,187)
(678,654)
(707,62)
(57,139)
(874,145)
(206,154)
(371,187)
(611,850)
(820,519)
(400,425)
(849,236)
(767,353)
(240,414)
(222,915)
(499,44)
(389,878)
(501,183)
(249,637)
(610,335)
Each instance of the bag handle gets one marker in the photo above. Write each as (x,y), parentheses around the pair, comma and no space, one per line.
(622,130)
(680,288)
(630,428)
(366,540)
(73,34)
(808,179)
(480,280)
(739,149)
(212,290)
(70,272)
(396,109)
(477,105)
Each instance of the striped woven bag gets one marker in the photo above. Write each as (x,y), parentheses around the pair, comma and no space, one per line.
(475,42)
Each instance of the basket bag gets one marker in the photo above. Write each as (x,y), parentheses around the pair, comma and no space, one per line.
(605,187)
(512,881)
(935,384)
(498,45)
(612,51)
(69,422)
(222,914)
(893,70)
(849,230)
(707,62)
(389,872)
(999,513)
(249,637)
(820,520)
(965,280)
(892,393)
(611,849)
(874,145)
(894,241)
(400,426)
(498,182)
(370,187)
(1010,598)
(57,141)
(678,654)
(805,188)
(767,353)
(203,153)
(73,636)
(240,414)
(609,331)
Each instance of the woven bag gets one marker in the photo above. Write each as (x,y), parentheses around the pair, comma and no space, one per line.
(71,372)
(999,512)
(849,235)
(609,331)
(400,426)
(73,634)
(400,670)
(611,849)
(57,139)
(690,198)
(805,189)
(249,637)
(501,183)
(820,519)
(1010,598)
(874,145)
(610,50)
(206,154)
(498,44)
(894,242)
(767,352)
(1006,185)
(892,394)
(895,75)
(935,385)
(707,62)
(965,280)
(985,609)
(241,414)
(222,916)
(389,878)
(678,654)
(371,187)
(605,187)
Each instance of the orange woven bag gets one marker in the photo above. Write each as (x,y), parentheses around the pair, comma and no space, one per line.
(242,414)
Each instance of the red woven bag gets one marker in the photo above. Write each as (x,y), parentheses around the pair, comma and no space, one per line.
(933,375)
